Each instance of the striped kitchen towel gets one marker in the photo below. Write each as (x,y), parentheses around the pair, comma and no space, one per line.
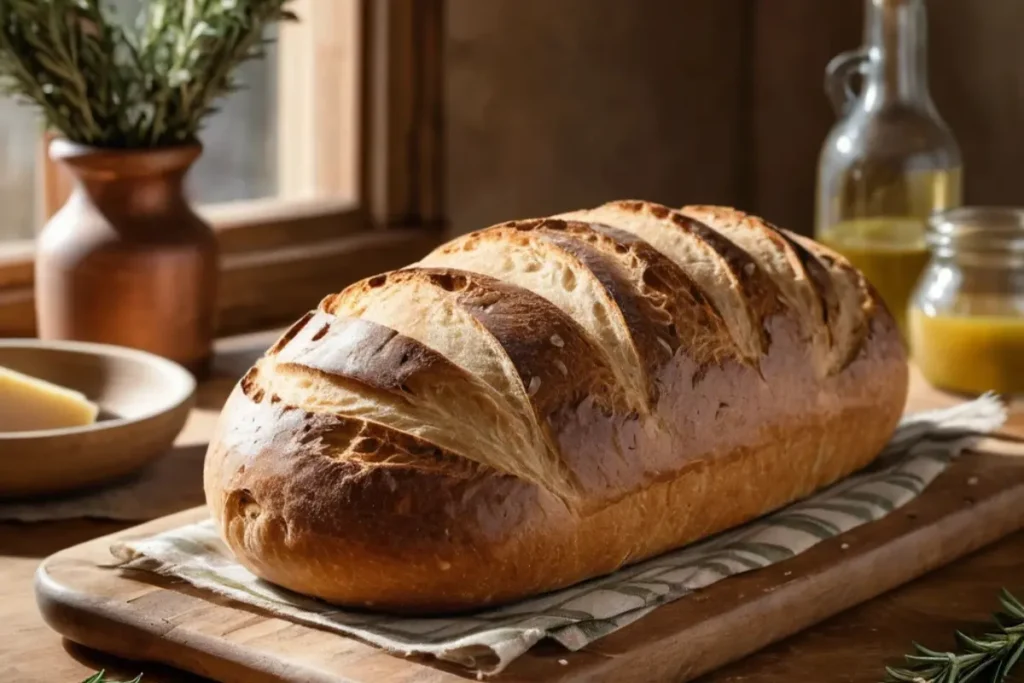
(488,641)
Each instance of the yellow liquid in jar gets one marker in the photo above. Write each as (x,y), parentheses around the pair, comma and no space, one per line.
(969,354)
(891,252)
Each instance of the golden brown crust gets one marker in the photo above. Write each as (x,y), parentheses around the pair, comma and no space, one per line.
(362,462)
(726,274)
(659,307)
(669,297)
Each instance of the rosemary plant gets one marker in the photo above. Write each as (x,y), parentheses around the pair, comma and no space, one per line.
(984,659)
(100,677)
(98,83)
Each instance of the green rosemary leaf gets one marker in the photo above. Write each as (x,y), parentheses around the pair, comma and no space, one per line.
(975,659)
(976,645)
(54,21)
(1003,672)
(90,78)
(976,671)
(1006,621)
(901,676)
(929,653)
(987,658)
(100,677)
(1011,605)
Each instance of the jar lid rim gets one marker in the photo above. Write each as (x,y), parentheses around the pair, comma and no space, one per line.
(978,228)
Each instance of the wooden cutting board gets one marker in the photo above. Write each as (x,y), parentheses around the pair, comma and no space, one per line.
(144,617)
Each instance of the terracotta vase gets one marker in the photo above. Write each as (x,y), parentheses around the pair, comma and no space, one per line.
(127,261)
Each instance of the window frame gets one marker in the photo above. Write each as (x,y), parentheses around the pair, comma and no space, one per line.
(279,255)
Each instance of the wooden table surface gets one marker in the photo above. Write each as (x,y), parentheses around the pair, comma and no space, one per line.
(853,646)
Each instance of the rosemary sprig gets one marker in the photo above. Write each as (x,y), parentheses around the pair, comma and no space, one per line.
(989,658)
(98,83)
(100,677)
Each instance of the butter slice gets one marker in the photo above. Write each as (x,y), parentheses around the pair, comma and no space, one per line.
(28,404)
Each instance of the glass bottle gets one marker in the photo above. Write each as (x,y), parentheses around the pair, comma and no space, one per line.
(890,161)
(967,314)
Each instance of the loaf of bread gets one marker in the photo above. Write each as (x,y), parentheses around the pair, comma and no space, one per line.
(548,400)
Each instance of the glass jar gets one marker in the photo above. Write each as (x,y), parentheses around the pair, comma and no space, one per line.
(890,161)
(967,313)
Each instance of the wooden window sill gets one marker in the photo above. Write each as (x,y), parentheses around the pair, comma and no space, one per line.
(278,259)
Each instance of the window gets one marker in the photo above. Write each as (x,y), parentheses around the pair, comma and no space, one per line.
(240,156)
(19,145)
(325,169)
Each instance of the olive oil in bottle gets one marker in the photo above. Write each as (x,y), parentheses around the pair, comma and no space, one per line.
(891,161)
(879,226)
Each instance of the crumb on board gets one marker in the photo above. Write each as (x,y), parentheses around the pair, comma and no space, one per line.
(844,546)
(563,662)
(786,573)
(972,481)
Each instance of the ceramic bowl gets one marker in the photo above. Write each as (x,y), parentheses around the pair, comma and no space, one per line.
(144,401)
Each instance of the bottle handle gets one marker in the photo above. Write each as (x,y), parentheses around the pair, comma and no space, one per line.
(838,75)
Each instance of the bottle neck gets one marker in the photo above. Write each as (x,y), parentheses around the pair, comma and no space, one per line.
(896,36)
